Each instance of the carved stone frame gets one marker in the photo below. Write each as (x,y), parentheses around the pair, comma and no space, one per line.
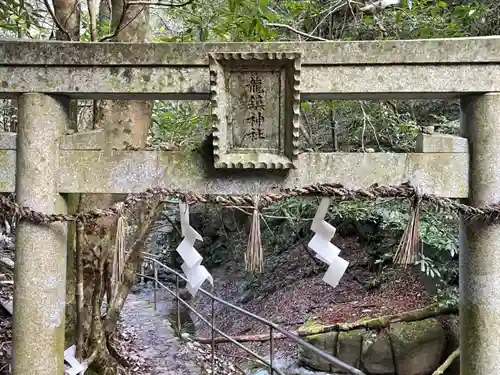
(221,66)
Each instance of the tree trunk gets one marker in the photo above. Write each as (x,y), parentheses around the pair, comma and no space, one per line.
(123,122)
(67,13)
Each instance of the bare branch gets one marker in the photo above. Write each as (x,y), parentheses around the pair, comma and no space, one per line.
(160,3)
(56,21)
(90,359)
(441,369)
(371,6)
(335,8)
(298,32)
(91,4)
(120,26)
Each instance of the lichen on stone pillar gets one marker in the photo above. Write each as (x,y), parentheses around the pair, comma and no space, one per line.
(40,272)
(480,248)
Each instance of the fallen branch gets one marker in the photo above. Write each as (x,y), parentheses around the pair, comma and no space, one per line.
(298,32)
(441,369)
(170,4)
(373,323)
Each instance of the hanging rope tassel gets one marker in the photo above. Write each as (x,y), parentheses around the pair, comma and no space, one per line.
(254,256)
(410,246)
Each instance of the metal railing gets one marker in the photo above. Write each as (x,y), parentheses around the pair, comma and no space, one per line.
(272,326)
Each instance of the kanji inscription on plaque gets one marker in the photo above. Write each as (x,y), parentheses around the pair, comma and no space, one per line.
(255,107)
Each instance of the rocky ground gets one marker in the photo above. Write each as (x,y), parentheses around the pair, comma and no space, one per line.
(296,294)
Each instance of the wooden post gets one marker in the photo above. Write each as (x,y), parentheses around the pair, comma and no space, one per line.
(40,271)
(480,247)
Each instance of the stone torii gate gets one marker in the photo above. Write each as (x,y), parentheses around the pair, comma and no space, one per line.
(40,162)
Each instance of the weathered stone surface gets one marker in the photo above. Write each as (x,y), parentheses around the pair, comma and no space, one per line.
(479,253)
(89,140)
(255,109)
(423,51)
(414,348)
(376,355)
(325,342)
(110,83)
(417,346)
(317,82)
(84,171)
(135,171)
(330,70)
(398,81)
(8,140)
(439,142)
(349,348)
(40,272)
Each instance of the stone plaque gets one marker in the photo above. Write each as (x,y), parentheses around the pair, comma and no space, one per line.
(255,109)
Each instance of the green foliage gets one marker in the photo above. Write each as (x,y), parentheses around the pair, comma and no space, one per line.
(176,124)
(447,297)
(385,126)
(379,226)
(20,17)
(426,19)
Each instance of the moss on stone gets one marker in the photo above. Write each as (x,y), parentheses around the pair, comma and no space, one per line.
(411,331)
(311,326)
(4,166)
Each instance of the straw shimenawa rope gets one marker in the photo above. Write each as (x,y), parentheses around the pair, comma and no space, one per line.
(336,191)
(408,249)
(410,246)
(254,256)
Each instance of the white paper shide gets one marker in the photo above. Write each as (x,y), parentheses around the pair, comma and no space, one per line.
(325,250)
(195,273)
(74,367)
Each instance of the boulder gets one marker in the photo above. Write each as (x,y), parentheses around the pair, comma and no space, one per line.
(376,354)
(349,348)
(414,348)
(417,346)
(451,325)
(326,342)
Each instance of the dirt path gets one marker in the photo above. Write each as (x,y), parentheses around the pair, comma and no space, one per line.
(161,351)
